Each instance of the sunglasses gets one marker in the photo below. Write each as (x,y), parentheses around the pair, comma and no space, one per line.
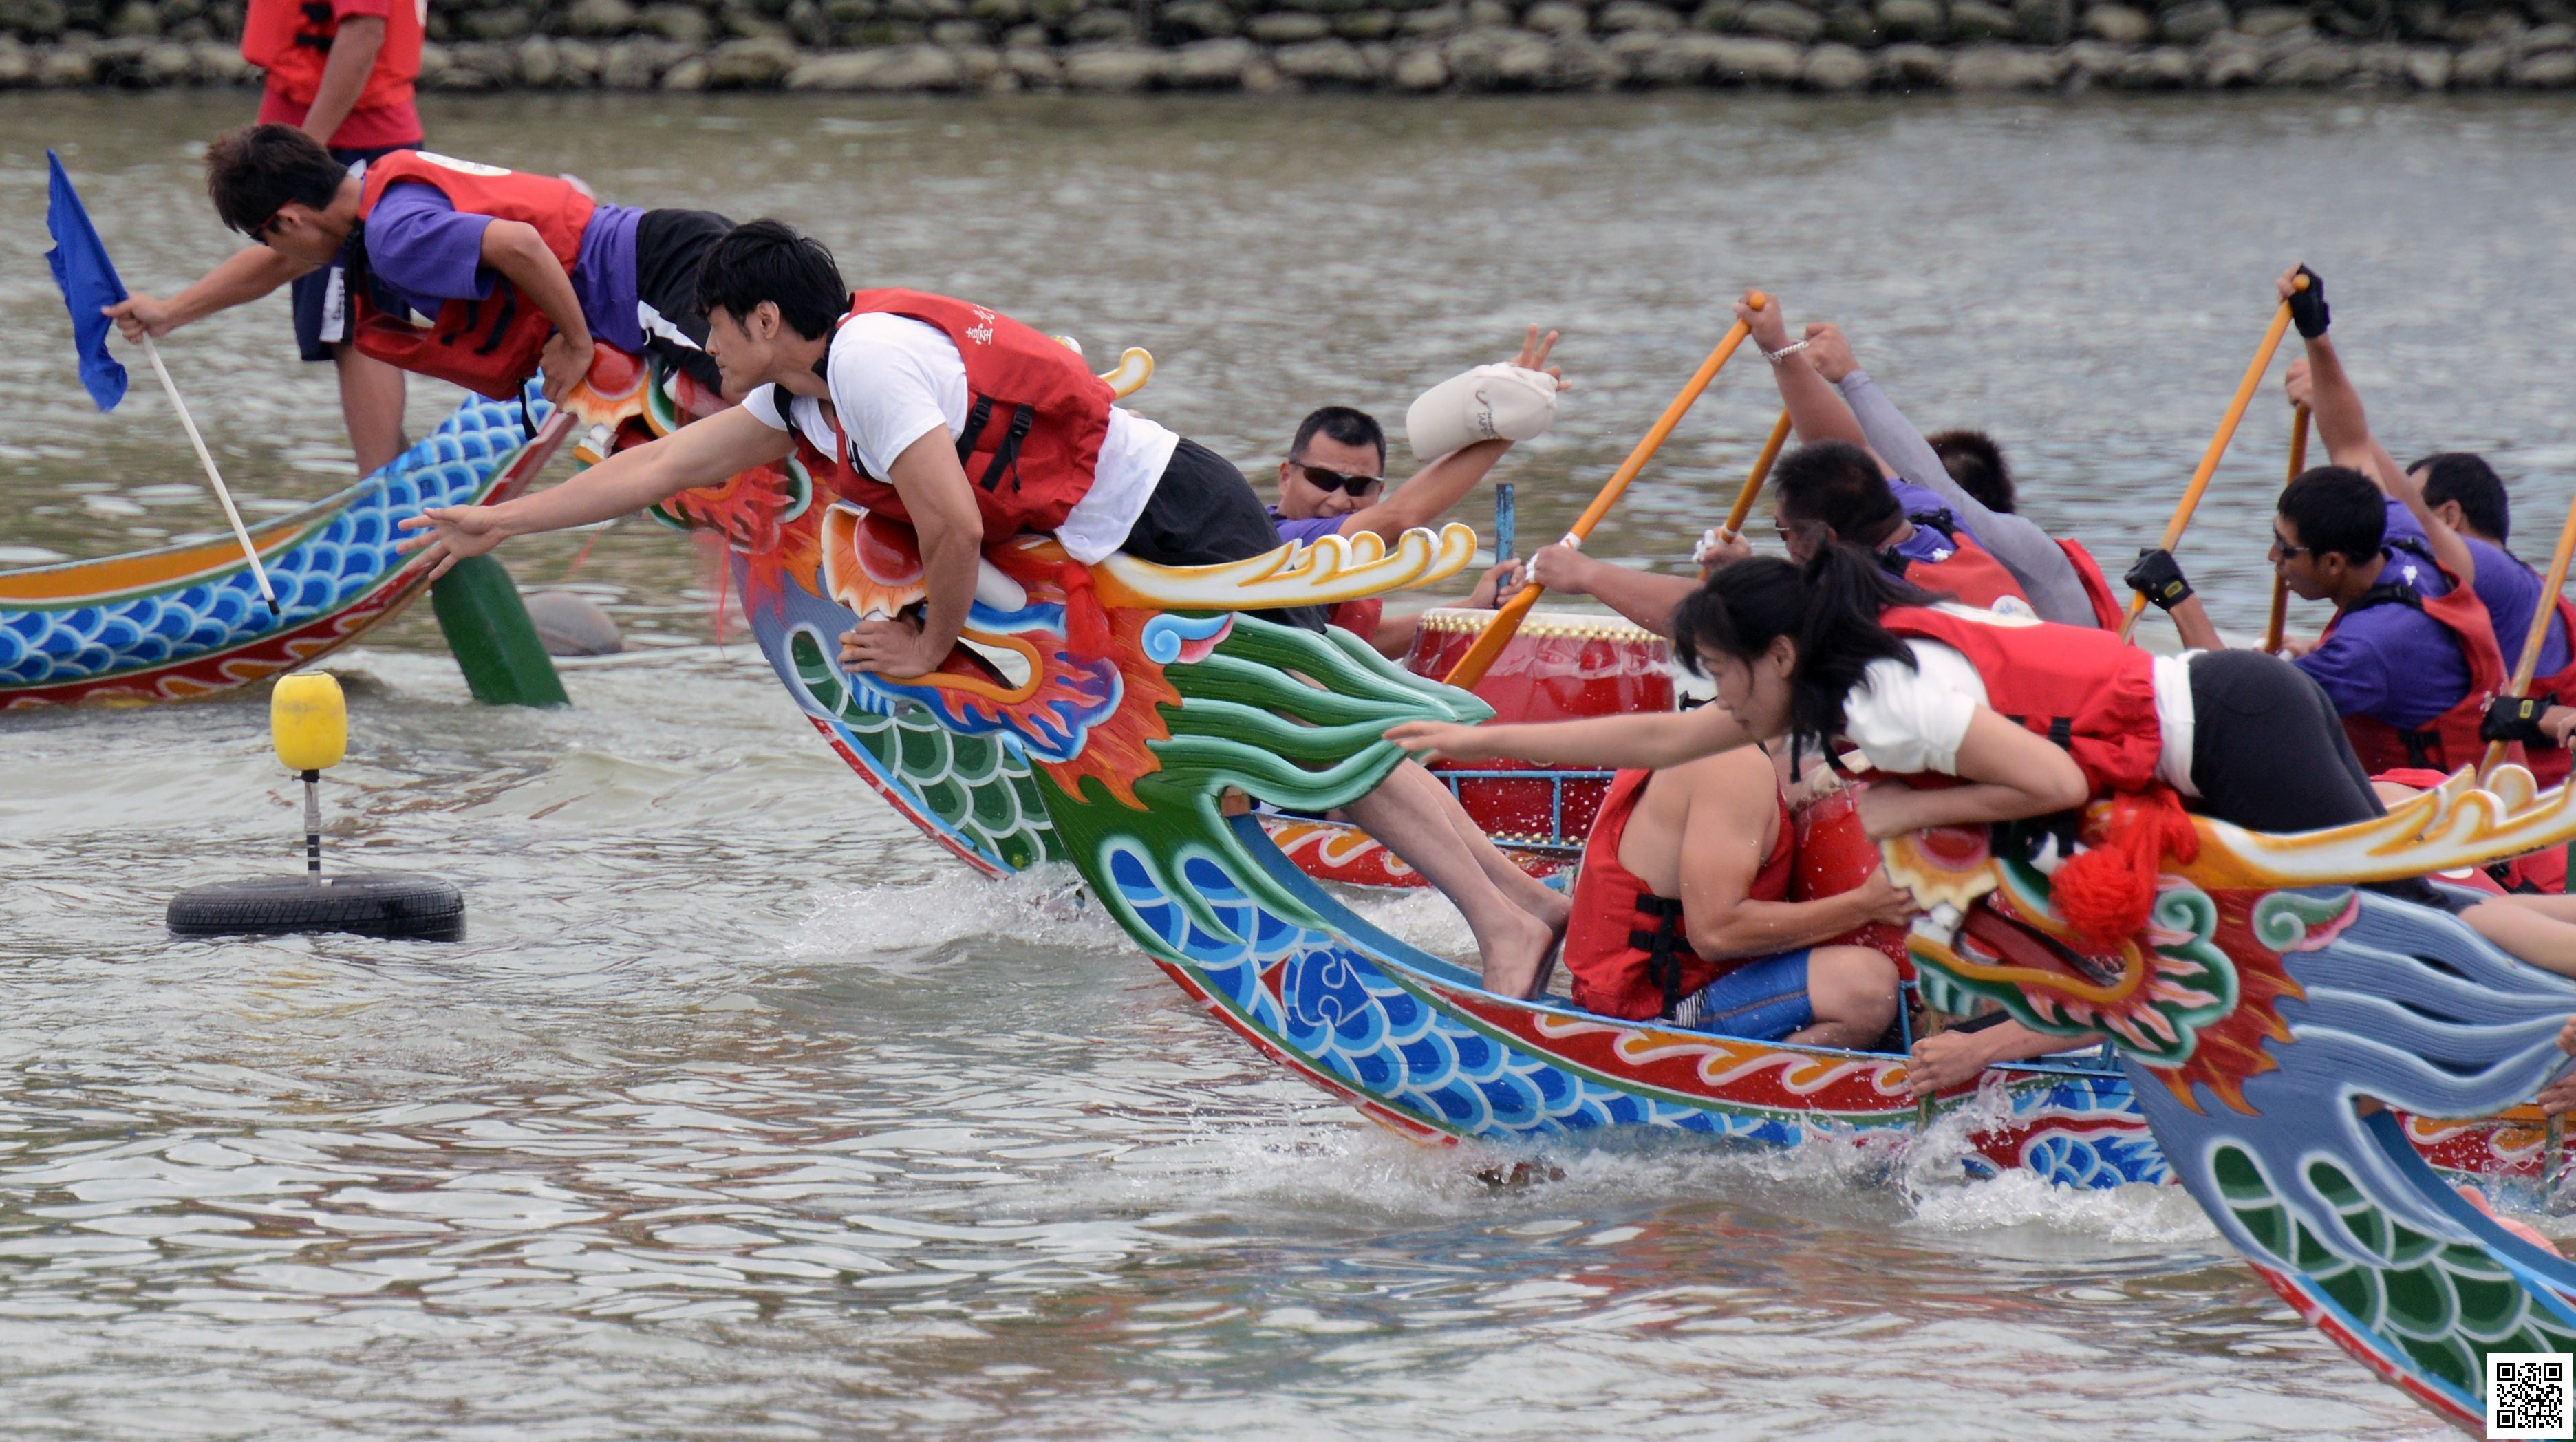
(2283,550)
(1324,480)
(259,232)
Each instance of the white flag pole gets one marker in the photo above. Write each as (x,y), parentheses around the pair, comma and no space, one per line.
(187,422)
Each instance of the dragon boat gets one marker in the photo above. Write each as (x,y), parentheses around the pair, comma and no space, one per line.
(187,620)
(2274,1020)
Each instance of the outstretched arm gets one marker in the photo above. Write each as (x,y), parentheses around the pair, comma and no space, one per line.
(698,454)
(1649,742)
(245,276)
(1642,596)
(2345,428)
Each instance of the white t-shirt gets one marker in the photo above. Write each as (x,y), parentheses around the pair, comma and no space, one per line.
(894,380)
(1914,719)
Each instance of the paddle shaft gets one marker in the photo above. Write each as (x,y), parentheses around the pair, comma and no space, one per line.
(188,423)
(1499,631)
(1742,510)
(2217,447)
(2538,631)
(2281,588)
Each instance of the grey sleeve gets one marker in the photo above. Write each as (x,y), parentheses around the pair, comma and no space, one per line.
(2032,556)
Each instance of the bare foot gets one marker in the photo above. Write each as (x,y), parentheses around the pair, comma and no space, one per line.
(1517,954)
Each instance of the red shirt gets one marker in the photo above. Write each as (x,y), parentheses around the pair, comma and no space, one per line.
(365,129)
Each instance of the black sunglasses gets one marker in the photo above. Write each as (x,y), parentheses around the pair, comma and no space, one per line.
(2283,550)
(1324,480)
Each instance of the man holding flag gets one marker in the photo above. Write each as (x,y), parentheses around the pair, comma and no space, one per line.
(343,71)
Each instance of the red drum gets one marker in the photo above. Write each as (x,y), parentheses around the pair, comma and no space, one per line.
(1835,855)
(1561,666)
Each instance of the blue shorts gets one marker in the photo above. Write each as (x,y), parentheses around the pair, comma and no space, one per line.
(1760,1001)
(321,308)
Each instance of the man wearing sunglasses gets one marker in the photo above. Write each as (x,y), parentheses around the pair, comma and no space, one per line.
(1334,480)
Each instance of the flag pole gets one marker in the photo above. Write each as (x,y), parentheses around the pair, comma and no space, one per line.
(188,423)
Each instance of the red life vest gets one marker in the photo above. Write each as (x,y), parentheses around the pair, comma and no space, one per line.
(1360,617)
(2108,610)
(1835,855)
(490,346)
(1627,949)
(2449,741)
(1969,572)
(1035,418)
(291,40)
(2087,690)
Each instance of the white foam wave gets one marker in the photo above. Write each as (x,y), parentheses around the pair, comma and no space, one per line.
(897,923)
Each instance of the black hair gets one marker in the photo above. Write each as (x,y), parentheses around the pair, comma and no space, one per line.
(252,173)
(766,260)
(2467,478)
(1341,423)
(1974,461)
(2337,511)
(1837,483)
(1829,608)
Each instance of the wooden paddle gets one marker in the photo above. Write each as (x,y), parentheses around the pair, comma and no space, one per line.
(2281,588)
(1742,510)
(1499,631)
(2536,632)
(2217,447)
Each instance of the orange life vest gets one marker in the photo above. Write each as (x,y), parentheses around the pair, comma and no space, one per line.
(2089,691)
(1035,418)
(490,346)
(2450,740)
(1360,617)
(1627,949)
(1969,572)
(2108,609)
(291,40)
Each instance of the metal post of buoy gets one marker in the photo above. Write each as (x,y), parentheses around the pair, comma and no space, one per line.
(308,726)
(308,723)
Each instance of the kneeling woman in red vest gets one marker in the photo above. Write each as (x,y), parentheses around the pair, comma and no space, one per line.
(1682,912)
(2030,718)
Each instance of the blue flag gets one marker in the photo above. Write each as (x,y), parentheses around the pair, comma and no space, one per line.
(89,282)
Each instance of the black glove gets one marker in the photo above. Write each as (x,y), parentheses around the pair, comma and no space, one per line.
(2515,718)
(2308,307)
(2158,578)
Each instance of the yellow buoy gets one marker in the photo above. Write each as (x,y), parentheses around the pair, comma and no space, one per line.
(309,721)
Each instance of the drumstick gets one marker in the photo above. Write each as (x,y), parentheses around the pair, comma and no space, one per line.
(1498,632)
(2280,587)
(2217,446)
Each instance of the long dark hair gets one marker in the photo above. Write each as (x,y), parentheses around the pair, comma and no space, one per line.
(1829,608)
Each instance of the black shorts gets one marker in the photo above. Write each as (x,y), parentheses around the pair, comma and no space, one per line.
(2268,753)
(321,312)
(1203,512)
(669,244)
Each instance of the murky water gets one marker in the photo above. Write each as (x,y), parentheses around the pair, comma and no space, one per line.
(744,1113)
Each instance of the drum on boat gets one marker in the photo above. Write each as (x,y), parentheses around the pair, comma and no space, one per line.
(1560,666)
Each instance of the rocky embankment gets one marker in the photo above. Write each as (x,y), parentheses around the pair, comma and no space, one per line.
(1291,45)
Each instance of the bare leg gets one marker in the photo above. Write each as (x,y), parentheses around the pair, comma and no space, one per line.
(1526,891)
(371,402)
(1853,992)
(1406,813)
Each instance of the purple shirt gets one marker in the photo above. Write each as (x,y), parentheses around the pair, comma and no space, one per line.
(2509,589)
(2392,663)
(423,252)
(1306,531)
(1926,544)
